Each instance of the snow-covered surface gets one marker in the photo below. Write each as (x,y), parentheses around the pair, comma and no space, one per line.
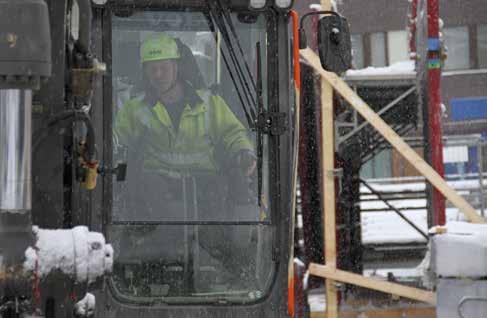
(397,272)
(77,252)
(398,203)
(315,6)
(461,251)
(317,302)
(86,306)
(387,227)
(399,68)
(420,186)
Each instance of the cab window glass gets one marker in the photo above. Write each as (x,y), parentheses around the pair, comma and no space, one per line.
(192,220)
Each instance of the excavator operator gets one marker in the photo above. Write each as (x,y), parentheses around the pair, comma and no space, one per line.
(177,129)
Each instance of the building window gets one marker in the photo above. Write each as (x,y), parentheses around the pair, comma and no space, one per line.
(378,167)
(458,50)
(482,45)
(378,49)
(358,51)
(397,46)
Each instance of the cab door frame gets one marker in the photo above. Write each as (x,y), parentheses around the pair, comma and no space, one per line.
(280,153)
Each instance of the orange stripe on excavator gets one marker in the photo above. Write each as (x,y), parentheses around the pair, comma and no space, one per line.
(297,84)
(297,66)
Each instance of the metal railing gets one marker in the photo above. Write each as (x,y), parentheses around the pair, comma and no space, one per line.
(468,299)
(468,181)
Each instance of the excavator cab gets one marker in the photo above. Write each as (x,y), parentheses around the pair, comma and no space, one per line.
(189,242)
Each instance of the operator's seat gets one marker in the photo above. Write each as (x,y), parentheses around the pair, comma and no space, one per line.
(188,67)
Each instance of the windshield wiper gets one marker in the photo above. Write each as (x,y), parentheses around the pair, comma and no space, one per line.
(228,19)
(253,93)
(248,115)
(217,10)
(260,109)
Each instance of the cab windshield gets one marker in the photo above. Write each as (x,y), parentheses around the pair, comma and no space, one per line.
(192,220)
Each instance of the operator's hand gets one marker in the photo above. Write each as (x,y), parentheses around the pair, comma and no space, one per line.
(247,161)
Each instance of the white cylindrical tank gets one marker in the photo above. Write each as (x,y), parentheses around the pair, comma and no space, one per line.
(15,150)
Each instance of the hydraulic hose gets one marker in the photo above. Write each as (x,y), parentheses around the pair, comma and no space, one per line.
(70,116)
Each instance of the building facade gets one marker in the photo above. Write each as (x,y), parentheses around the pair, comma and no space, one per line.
(380,38)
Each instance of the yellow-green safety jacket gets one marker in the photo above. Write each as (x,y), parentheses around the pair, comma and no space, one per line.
(190,148)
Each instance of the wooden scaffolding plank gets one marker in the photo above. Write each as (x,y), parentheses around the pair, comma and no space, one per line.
(382,286)
(328,185)
(394,139)
(409,312)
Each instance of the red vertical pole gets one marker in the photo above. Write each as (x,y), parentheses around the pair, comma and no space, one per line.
(434,107)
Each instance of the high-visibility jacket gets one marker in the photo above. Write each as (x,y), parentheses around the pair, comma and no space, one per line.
(204,129)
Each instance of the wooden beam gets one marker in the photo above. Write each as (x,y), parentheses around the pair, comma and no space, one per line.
(394,139)
(328,188)
(297,114)
(401,312)
(328,185)
(382,286)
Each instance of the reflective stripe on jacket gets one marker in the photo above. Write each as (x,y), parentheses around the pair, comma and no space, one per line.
(190,148)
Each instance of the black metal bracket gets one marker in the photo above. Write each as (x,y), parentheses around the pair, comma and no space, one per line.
(272,123)
(120,171)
